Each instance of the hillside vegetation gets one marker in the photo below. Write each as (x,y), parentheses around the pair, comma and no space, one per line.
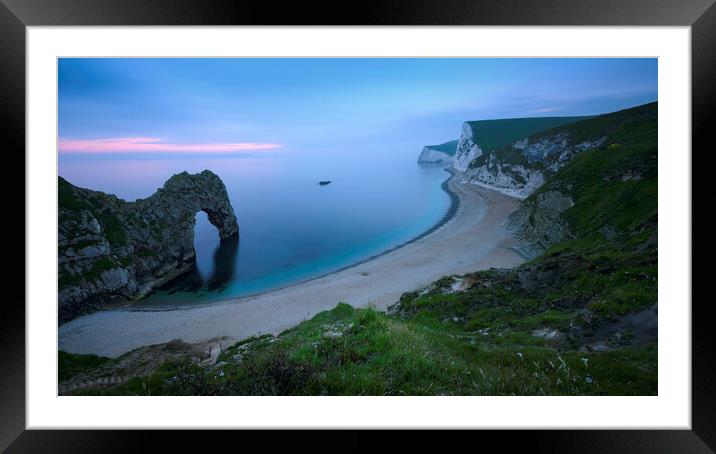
(495,134)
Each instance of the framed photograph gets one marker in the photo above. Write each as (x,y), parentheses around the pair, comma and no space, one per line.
(428,216)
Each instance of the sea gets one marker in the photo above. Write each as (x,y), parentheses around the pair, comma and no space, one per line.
(292,229)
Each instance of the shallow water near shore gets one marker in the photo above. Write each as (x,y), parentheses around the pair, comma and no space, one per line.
(291,228)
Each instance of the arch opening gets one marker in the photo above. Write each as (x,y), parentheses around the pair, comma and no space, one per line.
(206,241)
(215,256)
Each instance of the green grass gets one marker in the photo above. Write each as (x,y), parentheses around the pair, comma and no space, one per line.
(495,134)
(632,125)
(616,122)
(376,354)
(70,365)
(616,187)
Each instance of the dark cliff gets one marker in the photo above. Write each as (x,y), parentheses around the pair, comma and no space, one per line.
(112,251)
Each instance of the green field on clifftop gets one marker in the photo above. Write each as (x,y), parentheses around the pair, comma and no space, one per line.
(449,148)
(494,134)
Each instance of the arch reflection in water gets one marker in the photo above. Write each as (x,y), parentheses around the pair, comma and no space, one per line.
(225,257)
(224,264)
(296,230)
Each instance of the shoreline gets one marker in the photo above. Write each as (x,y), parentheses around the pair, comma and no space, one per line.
(446,218)
(470,237)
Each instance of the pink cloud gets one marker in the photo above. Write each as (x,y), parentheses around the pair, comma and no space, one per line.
(152,144)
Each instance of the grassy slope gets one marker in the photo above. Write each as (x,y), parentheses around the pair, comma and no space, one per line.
(482,340)
(594,178)
(614,219)
(495,134)
(350,351)
(578,129)
(71,365)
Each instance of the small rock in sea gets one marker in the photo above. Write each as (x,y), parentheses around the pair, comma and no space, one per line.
(324,182)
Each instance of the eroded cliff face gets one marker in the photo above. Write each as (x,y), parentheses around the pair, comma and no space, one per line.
(537,222)
(521,167)
(613,152)
(432,156)
(439,154)
(467,149)
(512,179)
(112,251)
(516,155)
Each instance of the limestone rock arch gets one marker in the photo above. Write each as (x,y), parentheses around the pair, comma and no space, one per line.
(112,250)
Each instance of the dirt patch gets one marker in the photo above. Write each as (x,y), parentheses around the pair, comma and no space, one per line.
(146,360)
(638,328)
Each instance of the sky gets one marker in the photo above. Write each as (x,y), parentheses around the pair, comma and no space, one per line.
(231,106)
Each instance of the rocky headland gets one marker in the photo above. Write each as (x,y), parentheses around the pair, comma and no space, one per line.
(112,251)
(438,154)
(514,156)
(520,156)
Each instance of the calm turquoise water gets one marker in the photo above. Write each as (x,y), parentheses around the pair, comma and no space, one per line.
(291,229)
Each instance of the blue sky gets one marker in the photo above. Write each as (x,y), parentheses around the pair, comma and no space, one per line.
(257,105)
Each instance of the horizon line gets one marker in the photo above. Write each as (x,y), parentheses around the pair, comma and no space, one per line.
(153,144)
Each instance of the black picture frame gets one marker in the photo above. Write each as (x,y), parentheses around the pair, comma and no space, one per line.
(700,15)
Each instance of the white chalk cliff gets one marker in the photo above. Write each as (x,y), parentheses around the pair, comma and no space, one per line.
(438,154)
(467,149)
(432,156)
(514,180)
(523,166)
(516,168)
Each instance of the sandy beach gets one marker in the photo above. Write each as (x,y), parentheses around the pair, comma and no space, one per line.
(472,240)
